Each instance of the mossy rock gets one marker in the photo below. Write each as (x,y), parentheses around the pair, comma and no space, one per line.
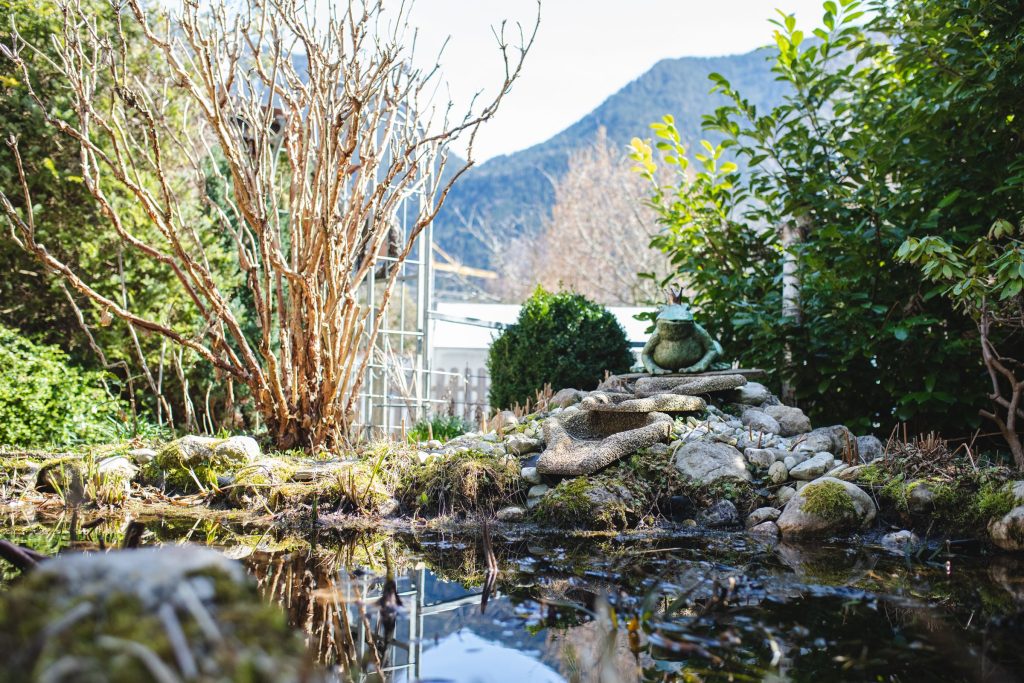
(194,463)
(825,506)
(463,482)
(602,502)
(115,612)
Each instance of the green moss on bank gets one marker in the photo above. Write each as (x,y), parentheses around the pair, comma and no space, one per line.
(460,483)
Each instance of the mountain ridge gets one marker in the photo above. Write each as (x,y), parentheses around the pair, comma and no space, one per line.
(514,192)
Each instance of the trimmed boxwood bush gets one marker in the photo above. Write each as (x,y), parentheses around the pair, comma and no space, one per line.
(562,339)
(44,400)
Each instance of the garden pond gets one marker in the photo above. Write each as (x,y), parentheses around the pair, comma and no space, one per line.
(674,604)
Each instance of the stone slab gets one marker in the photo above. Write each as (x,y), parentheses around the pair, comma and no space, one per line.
(586,441)
(658,403)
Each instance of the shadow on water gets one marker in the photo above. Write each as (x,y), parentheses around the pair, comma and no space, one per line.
(688,607)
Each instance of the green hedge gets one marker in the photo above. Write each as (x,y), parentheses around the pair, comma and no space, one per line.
(44,400)
(562,339)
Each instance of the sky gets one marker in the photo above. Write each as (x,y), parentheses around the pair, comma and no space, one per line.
(585,50)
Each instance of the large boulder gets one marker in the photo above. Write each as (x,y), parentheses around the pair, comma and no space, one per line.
(1007,531)
(792,421)
(707,463)
(825,506)
(168,613)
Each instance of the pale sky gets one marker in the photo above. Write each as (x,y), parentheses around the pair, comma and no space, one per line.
(584,52)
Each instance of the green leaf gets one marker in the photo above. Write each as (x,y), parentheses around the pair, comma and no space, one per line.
(901,333)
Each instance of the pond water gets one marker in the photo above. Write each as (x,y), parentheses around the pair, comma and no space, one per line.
(675,606)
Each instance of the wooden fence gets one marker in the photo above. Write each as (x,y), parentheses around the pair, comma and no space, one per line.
(460,392)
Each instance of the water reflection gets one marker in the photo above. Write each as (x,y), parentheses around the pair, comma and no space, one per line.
(679,608)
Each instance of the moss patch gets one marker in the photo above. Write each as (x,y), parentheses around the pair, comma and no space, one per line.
(829,501)
(602,502)
(463,482)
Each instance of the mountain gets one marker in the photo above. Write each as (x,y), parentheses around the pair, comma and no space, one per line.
(514,191)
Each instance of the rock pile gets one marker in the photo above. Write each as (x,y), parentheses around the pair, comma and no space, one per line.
(713,428)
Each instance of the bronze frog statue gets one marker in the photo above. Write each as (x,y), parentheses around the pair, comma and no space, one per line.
(679,344)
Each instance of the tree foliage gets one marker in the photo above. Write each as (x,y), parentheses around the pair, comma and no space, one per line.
(562,339)
(45,400)
(899,123)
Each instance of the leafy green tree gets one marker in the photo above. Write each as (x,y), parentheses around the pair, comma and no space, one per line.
(562,339)
(865,152)
(73,229)
(985,280)
(46,400)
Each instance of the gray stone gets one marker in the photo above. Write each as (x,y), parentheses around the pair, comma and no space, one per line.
(565,397)
(721,514)
(693,385)
(659,449)
(765,514)
(796,457)
(837,440)
(513,513)
(838,470)
(140,456)
(530,475)
(898,541)
(760,420)
(765,529)
(813,468)
(706,463)
(920,497)
(763,457)
(778,472)
(662,403)
(119,466)
(537,491)
(869,448)
(797,521)
(752,394)
(583,442)
(800,484)
(753,439)
(785,494)
(520,444)
(816,441)
(792,421)
(1007,531)
(1016,489)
